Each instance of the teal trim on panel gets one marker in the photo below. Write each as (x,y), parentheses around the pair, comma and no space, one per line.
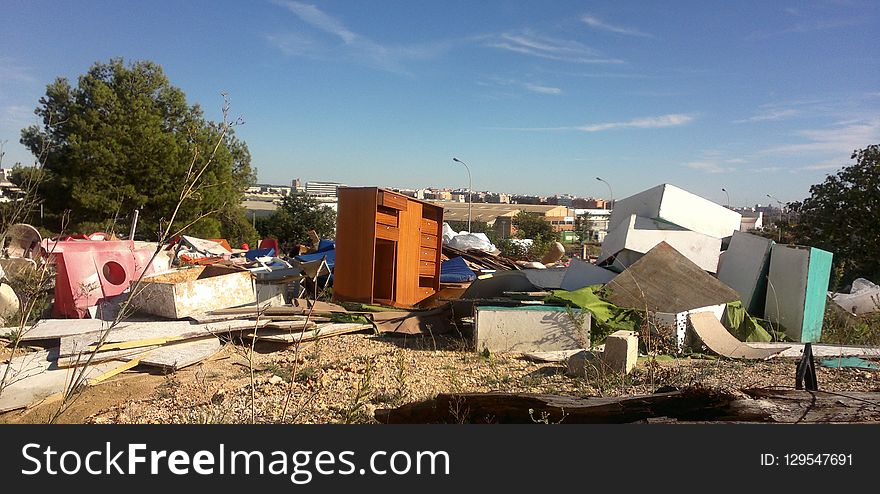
(818,278)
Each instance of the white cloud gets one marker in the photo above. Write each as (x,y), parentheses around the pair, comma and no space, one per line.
(320,20)
(671,120)
(16,117)
(826,165)
(536,88)
(597,23)
(528,43)
(806,27)
(770,115)
(662,121)
(10,71)
(836,139)
(355,47)
(707,166)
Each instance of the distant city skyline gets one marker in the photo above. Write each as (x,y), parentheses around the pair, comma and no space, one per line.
(537,98)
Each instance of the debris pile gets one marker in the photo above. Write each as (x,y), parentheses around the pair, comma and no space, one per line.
(675,277)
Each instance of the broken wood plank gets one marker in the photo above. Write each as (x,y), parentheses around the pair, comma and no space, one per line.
(322,331)
(508,408)
(688,405)
(292,325)
(51,381)
(179,355)
(124,341)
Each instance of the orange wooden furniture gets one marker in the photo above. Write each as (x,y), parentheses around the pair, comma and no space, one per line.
(387,247)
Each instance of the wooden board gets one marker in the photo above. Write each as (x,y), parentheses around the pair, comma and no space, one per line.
(76,349)
(322,331)
(355,239)
(179,355)
(688,405)
(666,281)
(37,386)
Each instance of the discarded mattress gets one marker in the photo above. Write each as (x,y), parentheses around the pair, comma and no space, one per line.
(456,270)
(716,337)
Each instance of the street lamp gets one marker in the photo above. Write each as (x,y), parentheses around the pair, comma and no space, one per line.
(470,187)
(780,215)
(609,191)
(728,196)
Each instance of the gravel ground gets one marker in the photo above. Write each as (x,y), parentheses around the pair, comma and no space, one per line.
(345,378)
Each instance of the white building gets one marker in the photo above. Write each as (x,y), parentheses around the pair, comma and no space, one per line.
(322,189)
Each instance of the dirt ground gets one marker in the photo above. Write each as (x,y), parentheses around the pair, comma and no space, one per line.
(345,378)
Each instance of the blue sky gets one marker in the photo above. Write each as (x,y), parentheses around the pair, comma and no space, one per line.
(538,97)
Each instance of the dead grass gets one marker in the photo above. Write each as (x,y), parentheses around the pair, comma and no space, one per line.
(842,328)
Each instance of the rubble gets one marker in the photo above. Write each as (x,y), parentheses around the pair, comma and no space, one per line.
(397,280)
(863,298)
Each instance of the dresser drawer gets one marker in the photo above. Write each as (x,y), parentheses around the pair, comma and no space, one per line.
(429,240)
(394,201)
(387,232)
(386,219)
(427,268)
(429,226)
(427,254)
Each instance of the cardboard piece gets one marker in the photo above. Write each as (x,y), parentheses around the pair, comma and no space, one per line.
(529,329)
(666,281)
(716,337)
(797,290)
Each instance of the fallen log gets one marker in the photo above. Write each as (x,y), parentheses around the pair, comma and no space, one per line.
(688,405)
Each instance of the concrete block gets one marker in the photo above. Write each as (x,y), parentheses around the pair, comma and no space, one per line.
(529,329)
(674,205)
(639,235)
(745,267)
(187,292)
(576,364)
(621,351)
(797,290)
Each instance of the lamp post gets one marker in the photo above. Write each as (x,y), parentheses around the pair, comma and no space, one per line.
(728,196)
(609,191)
(470,187)
(780,215)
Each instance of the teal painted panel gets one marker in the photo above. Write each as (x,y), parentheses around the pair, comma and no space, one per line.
(818,278)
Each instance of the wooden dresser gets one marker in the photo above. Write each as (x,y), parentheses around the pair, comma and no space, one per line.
(387,247)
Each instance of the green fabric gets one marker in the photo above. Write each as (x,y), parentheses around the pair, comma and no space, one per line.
(606,317)
(746,327)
